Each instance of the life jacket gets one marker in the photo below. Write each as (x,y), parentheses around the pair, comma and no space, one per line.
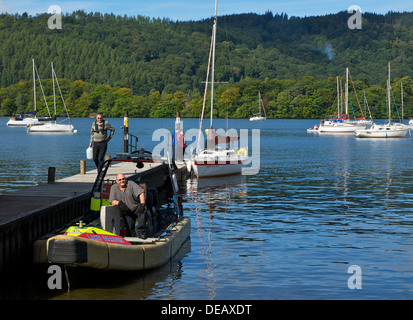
(103,130)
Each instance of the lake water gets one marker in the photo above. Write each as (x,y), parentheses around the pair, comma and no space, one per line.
(319,204)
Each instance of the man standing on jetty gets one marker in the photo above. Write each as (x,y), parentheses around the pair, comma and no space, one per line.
(99,139)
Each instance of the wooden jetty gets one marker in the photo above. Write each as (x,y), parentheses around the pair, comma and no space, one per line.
(27,214)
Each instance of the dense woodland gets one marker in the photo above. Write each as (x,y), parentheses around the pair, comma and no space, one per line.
(155,67)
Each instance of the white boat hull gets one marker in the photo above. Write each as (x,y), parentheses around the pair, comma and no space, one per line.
(341,128)
(219,163)
(258,119)
(216,169)
(23,123)
(383,132)
(52,127)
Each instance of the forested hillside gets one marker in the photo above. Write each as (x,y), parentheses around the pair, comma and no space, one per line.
(155,67)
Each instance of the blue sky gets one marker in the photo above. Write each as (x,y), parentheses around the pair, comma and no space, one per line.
(200,9)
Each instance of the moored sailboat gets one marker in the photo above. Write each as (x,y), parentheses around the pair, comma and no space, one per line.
(54,126)
(388,130)
(258,116)
(342,123)
(21,120)
(216,161)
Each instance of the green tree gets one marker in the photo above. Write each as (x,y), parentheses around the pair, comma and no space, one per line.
(83,104)
(7,107)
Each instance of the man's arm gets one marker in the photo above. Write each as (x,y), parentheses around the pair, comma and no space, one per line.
(91,135)
(108,126)
(142,197)
(112,197)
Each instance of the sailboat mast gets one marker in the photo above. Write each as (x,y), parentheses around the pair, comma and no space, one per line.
(341,96)
(388,93)
(401,95)
(34,86)
(54,91)
(346,97)
(338,99)
(213,62)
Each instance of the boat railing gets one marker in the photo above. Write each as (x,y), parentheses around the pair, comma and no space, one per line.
(132,143)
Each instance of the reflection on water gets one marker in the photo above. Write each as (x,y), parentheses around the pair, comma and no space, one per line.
(218,195)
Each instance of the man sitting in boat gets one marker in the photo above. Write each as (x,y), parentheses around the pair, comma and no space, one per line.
(130,198)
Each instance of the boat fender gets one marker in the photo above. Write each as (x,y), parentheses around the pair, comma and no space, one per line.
(243,151)
(67,252)
(95,204)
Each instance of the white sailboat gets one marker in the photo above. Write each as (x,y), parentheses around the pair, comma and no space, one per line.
(388,130)
(22,121)
(54,126)
(342,124)
(32,120)
(216,161)
(258,116)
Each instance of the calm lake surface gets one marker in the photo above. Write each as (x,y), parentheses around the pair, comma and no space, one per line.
(319,204)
